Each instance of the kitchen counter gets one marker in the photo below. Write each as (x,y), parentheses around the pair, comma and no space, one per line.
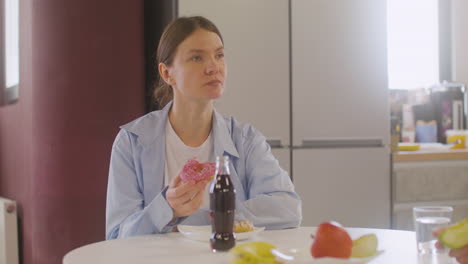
(433,176)
(431,155)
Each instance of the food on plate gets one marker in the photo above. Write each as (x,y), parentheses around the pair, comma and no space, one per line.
(455,236)
(196,171)
(404,146)
(243,226)
(364,246)
(252,253)
(331,240)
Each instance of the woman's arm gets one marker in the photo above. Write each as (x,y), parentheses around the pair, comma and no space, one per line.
(126,213)
(272,201)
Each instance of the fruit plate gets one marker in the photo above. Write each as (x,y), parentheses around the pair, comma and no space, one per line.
(303,257)
(202,233)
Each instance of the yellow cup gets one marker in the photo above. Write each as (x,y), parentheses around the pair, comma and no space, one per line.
(457,137)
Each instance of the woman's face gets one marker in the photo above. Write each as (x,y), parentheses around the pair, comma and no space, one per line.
(198,70)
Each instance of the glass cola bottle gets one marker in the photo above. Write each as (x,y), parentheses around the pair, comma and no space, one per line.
(222,206)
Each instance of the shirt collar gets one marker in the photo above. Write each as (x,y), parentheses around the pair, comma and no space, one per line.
(222,136)
(152,126)
(149,127)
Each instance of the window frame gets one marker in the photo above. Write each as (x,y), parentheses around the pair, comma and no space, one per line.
(8,95)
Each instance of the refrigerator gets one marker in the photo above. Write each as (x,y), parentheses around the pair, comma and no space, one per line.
(311,75)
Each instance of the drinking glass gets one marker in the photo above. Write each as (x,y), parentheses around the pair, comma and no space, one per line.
(426,220)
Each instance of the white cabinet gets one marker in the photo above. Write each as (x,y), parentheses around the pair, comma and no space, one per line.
(334,186)
(339,67)
(341,161)
(428,183)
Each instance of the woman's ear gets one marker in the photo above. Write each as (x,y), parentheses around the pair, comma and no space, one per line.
(165,75)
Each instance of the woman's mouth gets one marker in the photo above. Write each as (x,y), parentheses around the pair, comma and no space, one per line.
(214,83)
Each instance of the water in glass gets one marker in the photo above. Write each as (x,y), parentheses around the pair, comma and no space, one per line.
(424,227)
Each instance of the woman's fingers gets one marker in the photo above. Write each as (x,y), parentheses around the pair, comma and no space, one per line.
(183,199)
(186,198)
(197,200)
(459,253)
(185,188)
(176,192)
(197,191)
(175,181)
(192,204)
(189,207)
(462,260)
(178,188)
(439,245)
(438,231)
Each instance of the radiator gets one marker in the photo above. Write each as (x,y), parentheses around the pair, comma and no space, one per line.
(8,232)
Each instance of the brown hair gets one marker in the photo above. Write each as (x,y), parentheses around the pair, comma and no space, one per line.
(176,32)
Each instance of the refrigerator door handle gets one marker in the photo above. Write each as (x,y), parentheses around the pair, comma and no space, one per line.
(341,143)
(276,143)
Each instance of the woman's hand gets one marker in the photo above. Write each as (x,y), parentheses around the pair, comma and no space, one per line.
(460,254)
(185,198)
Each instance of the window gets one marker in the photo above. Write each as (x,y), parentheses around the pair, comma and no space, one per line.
(10,51)
(413,43)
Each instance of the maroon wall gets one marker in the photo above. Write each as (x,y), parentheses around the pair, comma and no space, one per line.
(82,75)
(16,160)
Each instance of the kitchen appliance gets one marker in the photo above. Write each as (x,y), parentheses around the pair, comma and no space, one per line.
(312,76)
(449,102)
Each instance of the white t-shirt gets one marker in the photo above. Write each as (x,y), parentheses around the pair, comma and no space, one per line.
(177,154)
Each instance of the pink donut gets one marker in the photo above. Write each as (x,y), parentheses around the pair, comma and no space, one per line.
(196,171)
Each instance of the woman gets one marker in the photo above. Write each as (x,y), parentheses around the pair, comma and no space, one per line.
(145,194)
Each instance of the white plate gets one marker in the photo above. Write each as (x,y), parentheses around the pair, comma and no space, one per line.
(304,257)
(202,233)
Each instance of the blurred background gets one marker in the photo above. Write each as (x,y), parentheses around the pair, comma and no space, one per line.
(336,87)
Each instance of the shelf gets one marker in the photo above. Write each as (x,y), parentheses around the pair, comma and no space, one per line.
(430,155)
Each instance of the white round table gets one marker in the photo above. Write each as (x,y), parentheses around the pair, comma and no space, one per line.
(398,247)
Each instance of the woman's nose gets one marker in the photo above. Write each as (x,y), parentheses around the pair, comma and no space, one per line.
(212,67)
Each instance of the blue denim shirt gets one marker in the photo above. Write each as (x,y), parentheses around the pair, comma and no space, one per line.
(136,203)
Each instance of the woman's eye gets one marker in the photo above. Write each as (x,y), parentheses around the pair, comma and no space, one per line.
(220,55)
(196,58)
